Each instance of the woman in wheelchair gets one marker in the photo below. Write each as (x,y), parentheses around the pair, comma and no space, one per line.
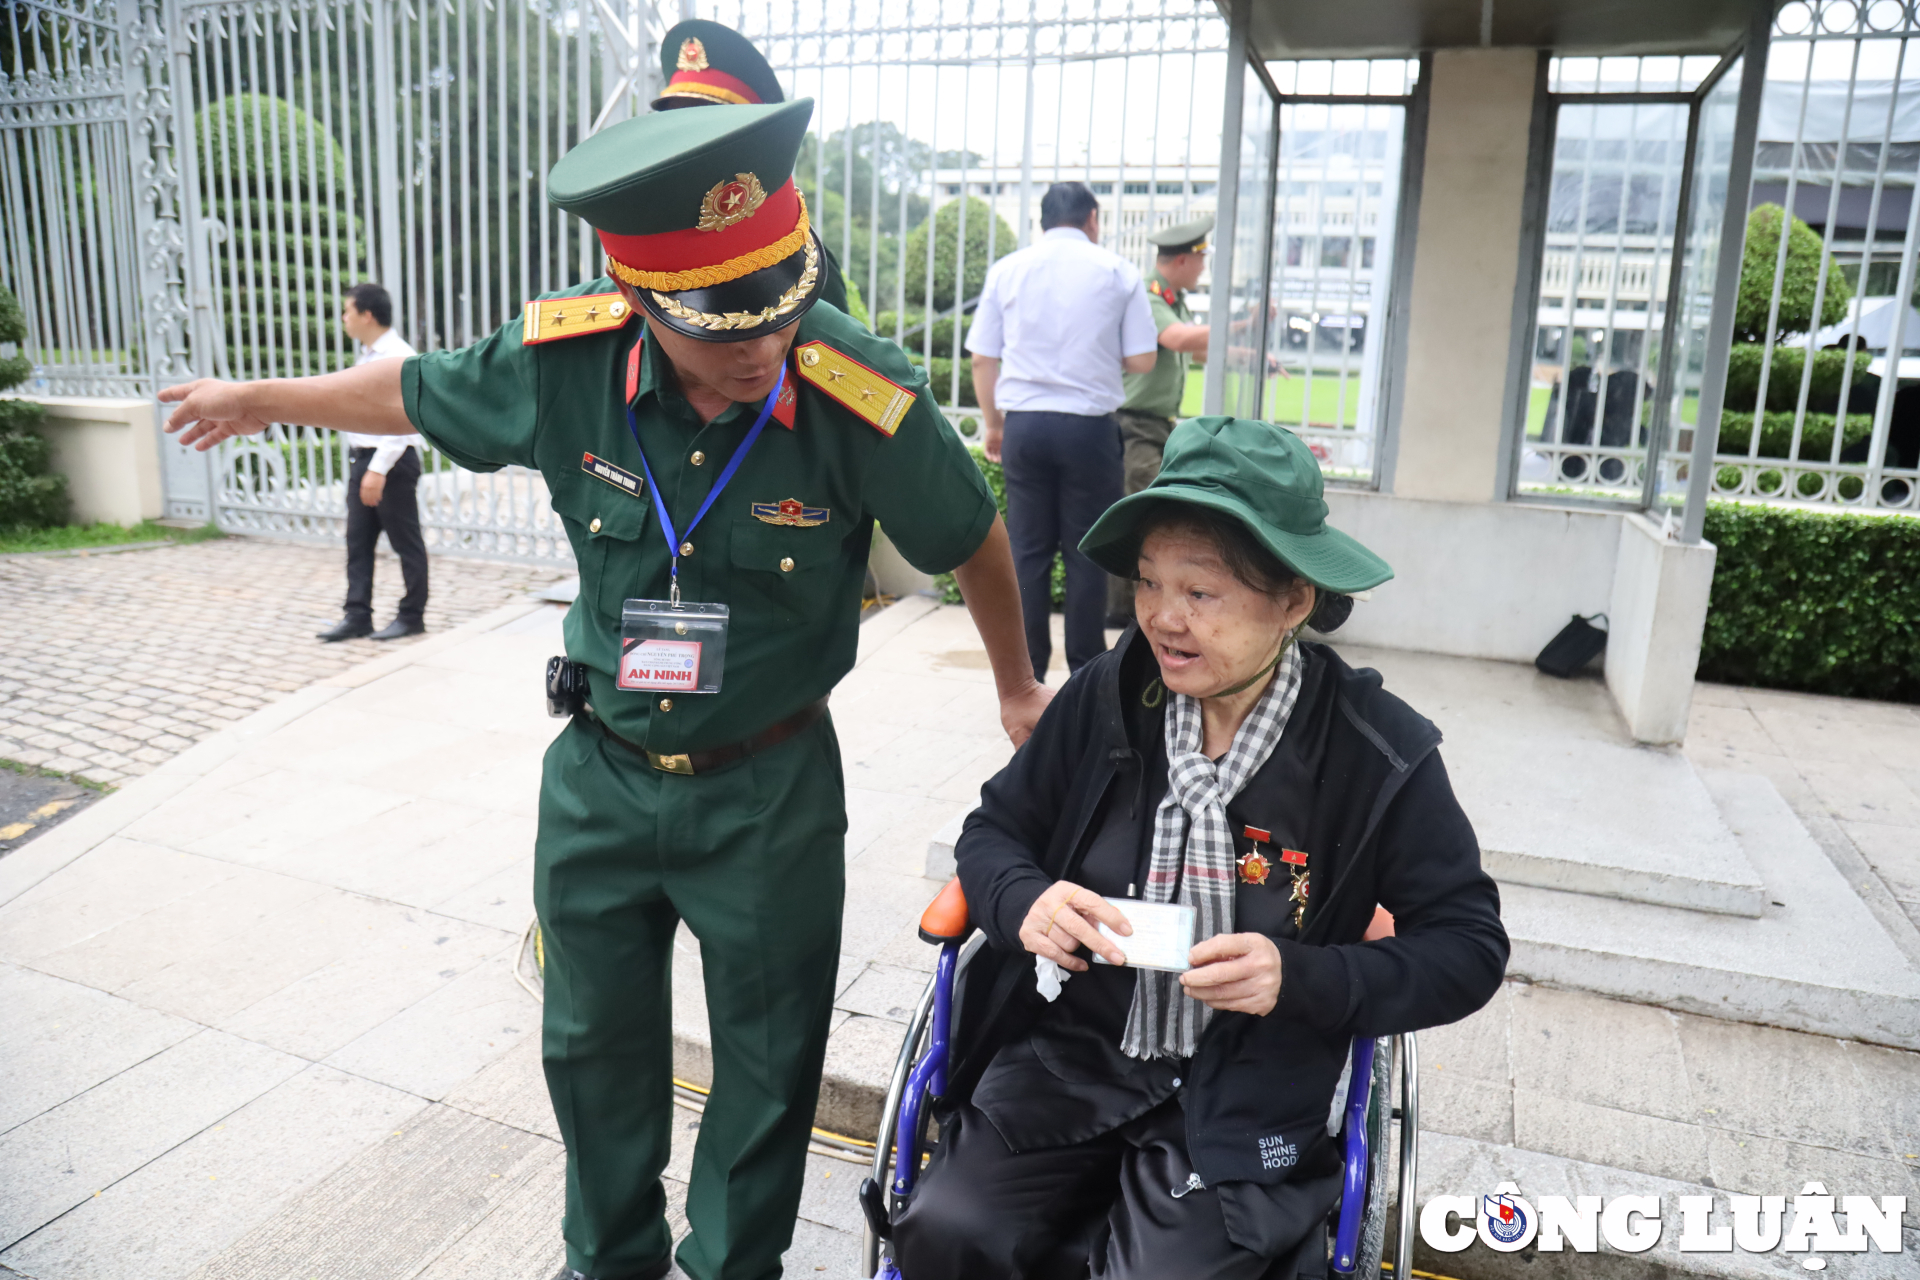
(1156,1125)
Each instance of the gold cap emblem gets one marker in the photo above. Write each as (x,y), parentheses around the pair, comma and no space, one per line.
(693,56)
(731,202)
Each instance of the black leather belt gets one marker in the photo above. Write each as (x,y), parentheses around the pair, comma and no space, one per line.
(691,762)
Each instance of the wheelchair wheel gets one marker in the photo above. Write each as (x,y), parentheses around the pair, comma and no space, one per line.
(1373,1220)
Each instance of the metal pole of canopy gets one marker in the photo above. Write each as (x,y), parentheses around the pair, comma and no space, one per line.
(1726,275)
(1226,199)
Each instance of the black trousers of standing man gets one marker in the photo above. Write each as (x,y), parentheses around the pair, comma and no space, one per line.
(398,515)
(1062,471)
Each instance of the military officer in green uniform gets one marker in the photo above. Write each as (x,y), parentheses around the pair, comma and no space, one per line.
(710,434)
(705,64)
(1153,399)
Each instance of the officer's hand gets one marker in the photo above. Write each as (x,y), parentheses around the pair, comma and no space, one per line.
(1235,972)
(210,411)
(372,485)
(1020,712)
(1064,917)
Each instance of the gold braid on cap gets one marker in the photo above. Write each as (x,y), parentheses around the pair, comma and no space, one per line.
(720,272)
(746,319)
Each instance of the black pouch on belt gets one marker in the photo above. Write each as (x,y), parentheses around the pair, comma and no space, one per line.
(566,688)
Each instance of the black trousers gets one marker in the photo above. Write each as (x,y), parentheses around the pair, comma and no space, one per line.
(1103,1208)
(398,516)
(1062,471)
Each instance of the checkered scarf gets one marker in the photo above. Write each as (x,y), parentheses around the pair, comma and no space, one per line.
(1193,851)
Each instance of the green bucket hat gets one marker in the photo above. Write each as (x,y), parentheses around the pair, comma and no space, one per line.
(1263,476)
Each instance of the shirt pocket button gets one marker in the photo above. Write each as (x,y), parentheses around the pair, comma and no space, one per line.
(786,564)
(595,526)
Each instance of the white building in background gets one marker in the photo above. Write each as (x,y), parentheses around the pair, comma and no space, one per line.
(1331,208)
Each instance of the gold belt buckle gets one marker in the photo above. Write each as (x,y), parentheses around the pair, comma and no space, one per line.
(671,764)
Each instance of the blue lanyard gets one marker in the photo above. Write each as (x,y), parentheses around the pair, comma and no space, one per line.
(726,474)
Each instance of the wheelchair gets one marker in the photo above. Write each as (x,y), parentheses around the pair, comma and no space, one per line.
(920,1077)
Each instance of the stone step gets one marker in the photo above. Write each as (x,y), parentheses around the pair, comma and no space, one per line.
(1559,794)
(1816,960)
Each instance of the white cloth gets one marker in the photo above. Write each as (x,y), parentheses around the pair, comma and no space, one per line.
(387,450)
(1060,315)
(1193,850)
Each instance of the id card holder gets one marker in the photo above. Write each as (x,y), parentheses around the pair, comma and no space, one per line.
(672,648)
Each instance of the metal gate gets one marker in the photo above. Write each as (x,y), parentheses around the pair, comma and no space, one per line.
(191,185)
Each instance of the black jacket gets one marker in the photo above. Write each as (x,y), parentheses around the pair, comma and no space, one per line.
(1356,782)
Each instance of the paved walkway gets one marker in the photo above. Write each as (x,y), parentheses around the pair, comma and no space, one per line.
(272,1023)
(1849,768)
(118,661)
(266,1024)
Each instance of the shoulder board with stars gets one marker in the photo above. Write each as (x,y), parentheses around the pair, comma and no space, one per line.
(550,319)
(878,400)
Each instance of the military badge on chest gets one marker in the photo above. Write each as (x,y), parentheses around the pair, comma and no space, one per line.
(1256,865)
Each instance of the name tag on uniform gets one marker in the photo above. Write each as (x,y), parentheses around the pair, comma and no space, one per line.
(600,469)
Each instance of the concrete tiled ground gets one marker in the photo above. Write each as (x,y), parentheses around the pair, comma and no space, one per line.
(117,662)
(270,1026)
(325,924)
(1849,768)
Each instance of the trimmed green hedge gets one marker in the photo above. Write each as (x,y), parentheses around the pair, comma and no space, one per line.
(997,481)
(1826,603)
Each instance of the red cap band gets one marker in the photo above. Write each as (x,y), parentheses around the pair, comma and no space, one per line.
(694,259)
(717,86)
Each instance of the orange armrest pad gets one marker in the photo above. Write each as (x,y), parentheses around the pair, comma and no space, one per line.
(945,919)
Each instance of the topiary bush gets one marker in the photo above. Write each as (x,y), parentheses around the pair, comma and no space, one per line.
(1797,284)
(1817,601)
(1783,379)
(945,227)
(32,495)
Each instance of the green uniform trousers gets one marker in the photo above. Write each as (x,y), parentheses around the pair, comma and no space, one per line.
(751,856)
(1143,438)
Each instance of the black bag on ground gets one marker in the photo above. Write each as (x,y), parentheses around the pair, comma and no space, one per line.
(1578,643)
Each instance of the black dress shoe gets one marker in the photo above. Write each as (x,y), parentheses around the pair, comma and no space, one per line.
(398,628)
(347,629)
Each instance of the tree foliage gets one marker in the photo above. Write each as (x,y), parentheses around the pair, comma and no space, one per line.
(881,193)
(1798,282)
(32,494)
(988,239)
(274,177)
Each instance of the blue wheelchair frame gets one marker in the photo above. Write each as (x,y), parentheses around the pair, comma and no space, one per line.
(1357,1238)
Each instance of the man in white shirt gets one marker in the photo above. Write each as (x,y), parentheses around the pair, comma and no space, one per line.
(383,474)
(1058,323)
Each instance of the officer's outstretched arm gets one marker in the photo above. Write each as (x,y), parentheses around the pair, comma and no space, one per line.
(992,593)
(363,398)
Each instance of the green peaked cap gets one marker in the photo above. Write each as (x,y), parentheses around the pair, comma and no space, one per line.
(726,49)
(1263,476)
(647,175)
(1182,236)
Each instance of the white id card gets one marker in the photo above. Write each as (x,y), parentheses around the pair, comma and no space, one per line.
(1162,935)
(672,648)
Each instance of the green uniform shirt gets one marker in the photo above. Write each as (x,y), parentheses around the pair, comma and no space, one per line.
(793,632)
(1161,391)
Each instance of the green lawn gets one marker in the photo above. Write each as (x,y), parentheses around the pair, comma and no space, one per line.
(1287,398)
(77,537)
